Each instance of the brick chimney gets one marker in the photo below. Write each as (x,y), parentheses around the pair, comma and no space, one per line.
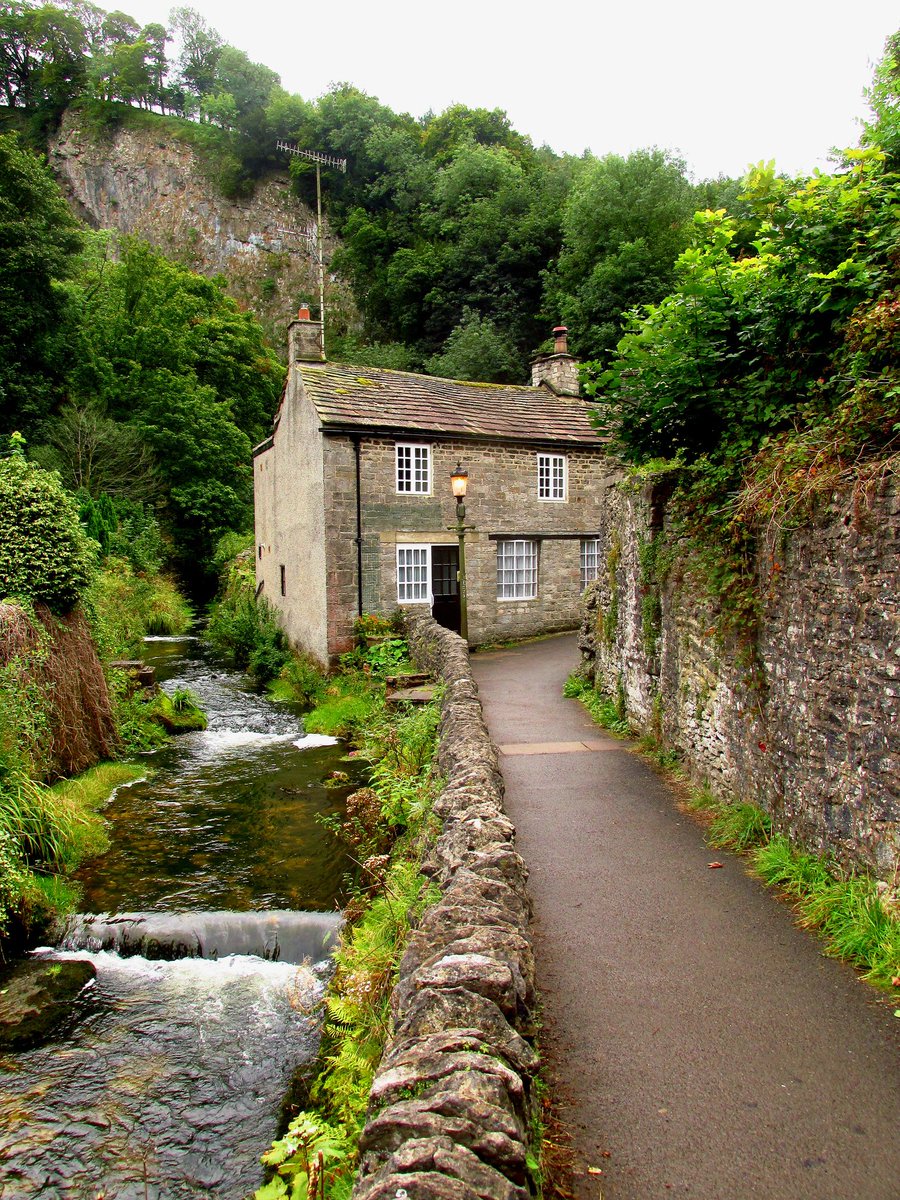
(557,371)
(305,338)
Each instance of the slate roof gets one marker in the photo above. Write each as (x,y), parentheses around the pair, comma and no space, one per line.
(370,398)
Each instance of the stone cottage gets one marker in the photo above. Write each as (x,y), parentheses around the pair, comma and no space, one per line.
(354,511)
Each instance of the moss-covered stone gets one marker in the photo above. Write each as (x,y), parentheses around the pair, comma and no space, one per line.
(38,998)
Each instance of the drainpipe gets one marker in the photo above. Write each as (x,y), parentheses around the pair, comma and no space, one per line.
(358,538)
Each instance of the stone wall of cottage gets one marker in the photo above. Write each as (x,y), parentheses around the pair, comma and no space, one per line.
(289,503)
(502,500)
(810,729)
(452,1106)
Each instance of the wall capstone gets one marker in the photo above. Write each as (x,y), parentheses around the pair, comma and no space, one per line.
(451,1104)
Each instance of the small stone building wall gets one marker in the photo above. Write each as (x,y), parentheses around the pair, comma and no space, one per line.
(289,505)
(502,500)
(812,733)
(452,1102)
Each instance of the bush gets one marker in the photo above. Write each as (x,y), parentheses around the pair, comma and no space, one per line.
(126,606)
(244,629)
(125,529)
(45,555)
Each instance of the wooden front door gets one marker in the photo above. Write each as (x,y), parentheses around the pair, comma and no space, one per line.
(445,586)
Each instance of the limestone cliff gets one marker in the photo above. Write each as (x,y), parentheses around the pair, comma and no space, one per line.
(148,182)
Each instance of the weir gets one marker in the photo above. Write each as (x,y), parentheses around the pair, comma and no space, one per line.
(279,936)
(214,913)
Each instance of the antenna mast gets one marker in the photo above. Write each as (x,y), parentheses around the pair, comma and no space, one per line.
(321,160)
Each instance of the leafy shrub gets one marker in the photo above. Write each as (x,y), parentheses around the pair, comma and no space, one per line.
(125,529)
(242,627)
(300,681)
(126,607)
(45,555)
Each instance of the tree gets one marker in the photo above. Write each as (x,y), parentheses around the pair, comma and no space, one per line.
(801,333)
(624,224)
(97,456)
(171,357)
(201,46)
(45,555)
(884,100)
(39,239)
(476,349)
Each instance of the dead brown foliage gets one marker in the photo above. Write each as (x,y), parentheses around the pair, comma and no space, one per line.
(58,655)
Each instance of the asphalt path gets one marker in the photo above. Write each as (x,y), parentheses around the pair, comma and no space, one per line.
(700,1043)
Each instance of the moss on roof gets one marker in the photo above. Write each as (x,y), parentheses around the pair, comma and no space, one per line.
(387,399)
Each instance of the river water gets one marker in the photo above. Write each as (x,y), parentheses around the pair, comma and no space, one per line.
(170,1080)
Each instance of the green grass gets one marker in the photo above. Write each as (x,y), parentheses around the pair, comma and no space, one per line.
(88,793)
(401,749)
(126,606)
(45,833)
(349,703)
(604,709)
(739,827)
(847,912)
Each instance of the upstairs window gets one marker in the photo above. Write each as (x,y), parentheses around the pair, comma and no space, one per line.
(590,558)
(517,568)
(413,469)
(551,477)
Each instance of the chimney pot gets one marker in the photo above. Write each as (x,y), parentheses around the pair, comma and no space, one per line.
(303,314)
(561,334)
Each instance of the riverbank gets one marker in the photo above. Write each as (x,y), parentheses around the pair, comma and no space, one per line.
(453,1098)
(170,1070)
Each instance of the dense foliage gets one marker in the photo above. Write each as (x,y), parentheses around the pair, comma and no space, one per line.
(39,239)
(134,378)
(447,222)
(800,332)
(45,554)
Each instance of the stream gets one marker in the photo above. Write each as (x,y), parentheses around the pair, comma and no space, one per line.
(209,923)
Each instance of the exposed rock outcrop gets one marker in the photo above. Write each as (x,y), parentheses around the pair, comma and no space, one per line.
(451,1106)
(153,185)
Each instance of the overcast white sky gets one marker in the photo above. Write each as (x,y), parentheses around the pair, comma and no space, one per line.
(726,83)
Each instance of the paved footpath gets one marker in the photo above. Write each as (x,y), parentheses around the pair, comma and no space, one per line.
(695,1035)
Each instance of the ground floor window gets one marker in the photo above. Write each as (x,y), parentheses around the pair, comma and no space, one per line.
(517,565)
(590,557)
(413,571)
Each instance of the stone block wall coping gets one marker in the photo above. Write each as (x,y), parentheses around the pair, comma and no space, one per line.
(452,1102)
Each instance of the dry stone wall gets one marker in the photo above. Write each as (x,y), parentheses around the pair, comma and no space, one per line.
(452,1102)
(812,732)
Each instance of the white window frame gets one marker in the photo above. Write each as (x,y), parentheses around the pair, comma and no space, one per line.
(412,468)
(517,569)
(412,590)
(589,561)
(553,477)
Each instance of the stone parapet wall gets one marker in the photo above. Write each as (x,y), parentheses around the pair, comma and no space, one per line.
(452,1103)
(812,732)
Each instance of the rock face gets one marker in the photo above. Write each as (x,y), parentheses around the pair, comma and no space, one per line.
(808,727)
(152,185)
(451,1105)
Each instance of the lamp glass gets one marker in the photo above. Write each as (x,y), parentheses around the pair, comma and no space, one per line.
(458,483)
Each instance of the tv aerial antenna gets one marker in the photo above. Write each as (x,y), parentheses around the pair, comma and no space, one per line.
(308,234)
